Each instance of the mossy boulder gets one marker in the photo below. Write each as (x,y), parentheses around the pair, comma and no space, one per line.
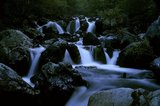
(14,50)
(153,35)
(136,55)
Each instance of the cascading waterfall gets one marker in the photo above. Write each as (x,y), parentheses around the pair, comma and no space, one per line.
(67,57)
(86,57)
(106,76)
(51,24)
(112,61)
(91,25)
(35,54)
(76,23)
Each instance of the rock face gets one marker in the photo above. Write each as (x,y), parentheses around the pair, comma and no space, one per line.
(57,81)
(136,55)
(119,97)
(12,87)
(14,50)
(153,35)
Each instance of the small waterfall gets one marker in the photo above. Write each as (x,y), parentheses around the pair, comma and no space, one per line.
(77,24)
(91,25)
(35,54)
(51,24)
(59,28)
(67,57)
(113,60)
(86,56)
(68,27)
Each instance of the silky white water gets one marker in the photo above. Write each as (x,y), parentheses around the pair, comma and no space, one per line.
(35,54)
(107,76)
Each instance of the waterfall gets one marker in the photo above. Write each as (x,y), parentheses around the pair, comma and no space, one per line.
(35,54)
(67,57)
(113,60)
(59,28)
(86,57)
(77,24)
(91,25)
(51,24)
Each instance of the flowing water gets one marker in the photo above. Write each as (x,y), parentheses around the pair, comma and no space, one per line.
(107,76)
(35,54)
(77,25)
(91,25)
(51,24)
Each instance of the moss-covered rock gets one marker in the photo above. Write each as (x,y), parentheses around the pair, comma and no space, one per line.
(136,55)
(98,54)
(153,35)
(14,50)
(13,89)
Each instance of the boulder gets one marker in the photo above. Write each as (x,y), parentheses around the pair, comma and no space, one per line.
(90,39)
(119,97)
(153,35)
(136,55)
(74,53)
(57,82)
(155,67)
(98,54)
(14,50)
(54,53)
(13,89)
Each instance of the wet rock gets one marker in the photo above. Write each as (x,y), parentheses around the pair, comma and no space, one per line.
(154,98)
(57,82)
(136,55)
(98,55)
(155,67)
(119,97)
(13,89)
(14,50)
(90,39)
(74,53)
(54,53)
(153,35)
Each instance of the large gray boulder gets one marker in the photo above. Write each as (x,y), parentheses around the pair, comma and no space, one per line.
(14,50)
(119,97)
(12,88)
